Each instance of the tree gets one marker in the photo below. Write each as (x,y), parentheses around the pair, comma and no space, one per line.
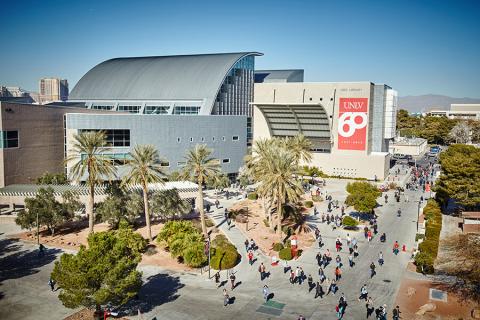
(460,133)
(89,162)
(461,262)
(105,273)
(275,170)
(50,212)
(475,134)
(145,167)
(52,178)
(460,177)
(70,204)
(199,167)
(406,124)
(167,204)
(174,176)
(362,196)
(436,129)
(300,148)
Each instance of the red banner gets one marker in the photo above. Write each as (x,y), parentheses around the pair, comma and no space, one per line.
(352,123)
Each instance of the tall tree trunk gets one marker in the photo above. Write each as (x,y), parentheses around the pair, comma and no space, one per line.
(279,216)
(91,200)
(200,208)
(147,212)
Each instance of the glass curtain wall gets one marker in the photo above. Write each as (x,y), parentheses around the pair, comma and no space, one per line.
(236,91)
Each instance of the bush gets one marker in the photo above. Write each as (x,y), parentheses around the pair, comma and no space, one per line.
(209,222)
(308,204)
(194,256)
(349,222)
(425,261)
(252,196)
(419,236)
(285,254)
(277,247)
(223,254)
(428,249)
(316,198)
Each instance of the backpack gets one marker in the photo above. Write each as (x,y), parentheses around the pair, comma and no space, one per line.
(259,268)
(337,308)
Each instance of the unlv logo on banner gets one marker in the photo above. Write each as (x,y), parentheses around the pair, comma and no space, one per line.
(352,123)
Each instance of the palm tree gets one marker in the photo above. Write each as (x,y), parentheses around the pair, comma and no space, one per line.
(145,167)
(200,166)
(88,153)
(276,172)
(300,146)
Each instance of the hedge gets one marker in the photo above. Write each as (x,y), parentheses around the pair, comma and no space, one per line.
(428,249)
(277,246)
(308,204)
(349,222)
(253,196)
(285,254)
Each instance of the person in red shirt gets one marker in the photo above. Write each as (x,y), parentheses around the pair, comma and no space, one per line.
(250,257)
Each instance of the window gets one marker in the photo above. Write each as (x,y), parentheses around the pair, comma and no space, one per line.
(164,164)
(179,139)
(156,109)
(131,109)
(223,138)
(227,160)
(186,110)
(235,138)
(9,139)
(202,139)
(191,139)
(101,107)
(115,137)
(181,163)
(213,138)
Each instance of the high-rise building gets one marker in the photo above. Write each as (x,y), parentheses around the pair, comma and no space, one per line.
(53,89)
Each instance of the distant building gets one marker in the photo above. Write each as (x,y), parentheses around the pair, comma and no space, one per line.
(17,94)
(53,89)
(408,146)
(349,124)
(267,76)
(458,111)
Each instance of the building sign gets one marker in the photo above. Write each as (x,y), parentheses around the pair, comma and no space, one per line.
(352,123)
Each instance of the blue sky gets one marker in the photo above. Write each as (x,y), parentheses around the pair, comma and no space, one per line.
(417,47)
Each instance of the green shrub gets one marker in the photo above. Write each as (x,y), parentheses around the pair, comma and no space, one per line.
(285,254)
(419,236)
(425,261)
(252,196)
(194,256)
(308,204)
(428,249)
(209,222)
(316,198)
(288,231)
(277,247)
(266,223)
(349,222)
(223,254)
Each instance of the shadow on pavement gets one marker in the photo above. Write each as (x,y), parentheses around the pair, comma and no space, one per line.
(159,289)
(25,263)
(9,245)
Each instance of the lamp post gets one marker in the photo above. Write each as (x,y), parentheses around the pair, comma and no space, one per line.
(208,244)
(38,230)
(246,225)
(418,213)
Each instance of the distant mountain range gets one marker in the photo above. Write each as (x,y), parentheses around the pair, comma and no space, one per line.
(430,101)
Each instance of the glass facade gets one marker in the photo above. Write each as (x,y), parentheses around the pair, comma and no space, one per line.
(131,109)
(236,91)
(156,109)
(186,109)
(115,137)
(8,139)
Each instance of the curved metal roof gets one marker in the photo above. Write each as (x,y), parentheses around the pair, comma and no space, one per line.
(188,77)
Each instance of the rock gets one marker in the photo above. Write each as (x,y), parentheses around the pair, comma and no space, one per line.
(69,243)
(429,307)
(411,291)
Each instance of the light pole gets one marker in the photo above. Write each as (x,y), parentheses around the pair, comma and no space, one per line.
(38,231)
(208,244)
(418,213)
(246,226)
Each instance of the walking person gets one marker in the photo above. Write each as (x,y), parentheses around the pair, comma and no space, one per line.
(217,277)
(321,274)
(319,290)
(363,293)
(338,260)
(395,247)
(250,257)
(350,260)
(226,297)
(246,245)
(338,273)
(292,276)
(372,270)
(310,283)
(261,269)
(370,307)
(396,313)
(380,258)
(232,281)
(369,235)
(319,259)
(301,276)
(355,251)
(266,293)
(51,283)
